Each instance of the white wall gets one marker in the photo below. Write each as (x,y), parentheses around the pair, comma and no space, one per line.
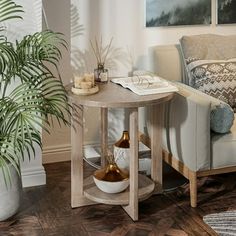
(32,172)
(56,145)
(124,20)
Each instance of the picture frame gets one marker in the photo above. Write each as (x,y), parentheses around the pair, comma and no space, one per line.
(226,12)
(177,12)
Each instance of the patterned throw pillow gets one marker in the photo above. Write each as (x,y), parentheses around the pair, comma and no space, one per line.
(216,78)
(210,63)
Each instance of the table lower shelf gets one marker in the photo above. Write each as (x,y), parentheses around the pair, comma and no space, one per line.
(145,188)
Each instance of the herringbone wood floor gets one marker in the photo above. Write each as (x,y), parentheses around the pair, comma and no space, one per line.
(46,210)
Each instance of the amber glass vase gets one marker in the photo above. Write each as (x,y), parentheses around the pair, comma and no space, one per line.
(122,151)
(111,179)
(111,173)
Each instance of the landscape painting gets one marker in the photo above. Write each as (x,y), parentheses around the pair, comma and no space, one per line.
(226,11)
(178,12)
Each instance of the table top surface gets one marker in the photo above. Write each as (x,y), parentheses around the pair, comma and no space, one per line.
(113,95)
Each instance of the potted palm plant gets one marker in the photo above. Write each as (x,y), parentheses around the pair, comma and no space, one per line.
(30,95)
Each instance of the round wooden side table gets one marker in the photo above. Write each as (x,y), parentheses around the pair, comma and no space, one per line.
(84,191)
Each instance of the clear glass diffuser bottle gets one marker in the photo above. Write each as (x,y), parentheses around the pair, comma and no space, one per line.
(101,74)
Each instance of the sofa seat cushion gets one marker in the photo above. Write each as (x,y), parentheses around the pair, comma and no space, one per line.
(224,149)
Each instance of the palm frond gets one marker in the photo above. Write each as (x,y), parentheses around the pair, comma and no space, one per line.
(37,95)
(41,46)
(9,10)
(8,156)
(8,57)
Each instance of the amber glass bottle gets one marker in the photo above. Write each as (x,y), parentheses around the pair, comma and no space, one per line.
(122,151)
(123,142)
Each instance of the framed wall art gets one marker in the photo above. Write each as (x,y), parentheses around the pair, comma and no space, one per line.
(178,12)
(226,11)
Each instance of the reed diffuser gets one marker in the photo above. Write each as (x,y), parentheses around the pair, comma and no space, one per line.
(101,52)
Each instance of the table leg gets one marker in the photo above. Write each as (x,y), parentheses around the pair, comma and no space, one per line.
(104,136)
(132,208)
(156,123)
(77,177)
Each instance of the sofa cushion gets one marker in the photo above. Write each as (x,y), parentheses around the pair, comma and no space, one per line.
(210,63)
(221,116)
(214,77)
(209,46)
(224,149)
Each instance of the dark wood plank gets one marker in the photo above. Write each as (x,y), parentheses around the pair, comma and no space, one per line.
(46,210)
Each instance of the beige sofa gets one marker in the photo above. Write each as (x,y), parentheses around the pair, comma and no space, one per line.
(188,144)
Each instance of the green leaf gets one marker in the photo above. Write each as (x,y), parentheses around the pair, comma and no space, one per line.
(37,96)
(9,10)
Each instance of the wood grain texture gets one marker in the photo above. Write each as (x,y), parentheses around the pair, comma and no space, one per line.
(216,171)
(191,175)
(132,208)
(113,95)
(185,171)
(46,210)
(77,156)
(77,190)
(156,124)
(104,136)
(176,164)
(193,189)
(145,188)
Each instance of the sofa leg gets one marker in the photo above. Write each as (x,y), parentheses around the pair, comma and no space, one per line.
(193,189)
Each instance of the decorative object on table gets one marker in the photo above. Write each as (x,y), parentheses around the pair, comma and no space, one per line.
(84,85)
(177,12)
(101,74)
(226,12)
(111,179)
(30,97)
(122,151)
(101,53)
(146,84)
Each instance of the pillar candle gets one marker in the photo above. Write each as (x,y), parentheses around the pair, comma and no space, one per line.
(77,81)
(86,84)
(89,78)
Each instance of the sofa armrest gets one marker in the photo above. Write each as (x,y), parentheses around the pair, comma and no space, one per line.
(187,128)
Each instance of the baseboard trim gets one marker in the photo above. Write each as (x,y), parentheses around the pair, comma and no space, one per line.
(58,153)
(62,153)
(33,177)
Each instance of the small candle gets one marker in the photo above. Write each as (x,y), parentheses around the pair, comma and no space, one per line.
(89,78)
(77,81)
(86,84)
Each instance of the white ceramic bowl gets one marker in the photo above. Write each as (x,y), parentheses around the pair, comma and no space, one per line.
(111,187)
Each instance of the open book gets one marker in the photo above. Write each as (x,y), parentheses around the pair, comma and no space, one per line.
(146,84)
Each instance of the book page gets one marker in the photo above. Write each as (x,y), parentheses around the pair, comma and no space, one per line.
(144,85)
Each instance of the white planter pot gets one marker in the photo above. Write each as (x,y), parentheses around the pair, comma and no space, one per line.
(10,196)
